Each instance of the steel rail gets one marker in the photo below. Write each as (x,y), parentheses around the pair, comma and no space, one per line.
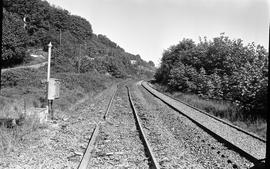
(218,137)
(110,103)
(84,162)
(147,145)
(216,118)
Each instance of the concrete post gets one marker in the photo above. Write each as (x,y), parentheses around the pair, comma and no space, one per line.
(48,75)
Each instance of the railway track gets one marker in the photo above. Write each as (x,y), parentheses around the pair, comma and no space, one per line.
(84,162)
(126,131)
(155,164)
(243,142)
(128,137)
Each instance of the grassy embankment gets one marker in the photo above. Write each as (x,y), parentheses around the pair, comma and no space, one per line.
(23,91)
(221,109)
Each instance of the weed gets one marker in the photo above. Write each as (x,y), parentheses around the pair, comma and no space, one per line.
(11,138)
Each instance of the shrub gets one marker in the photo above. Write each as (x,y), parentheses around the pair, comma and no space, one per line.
(218,69)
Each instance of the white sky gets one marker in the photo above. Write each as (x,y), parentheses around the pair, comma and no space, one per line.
(147,27)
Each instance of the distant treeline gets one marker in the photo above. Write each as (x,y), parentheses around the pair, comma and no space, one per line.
(222,69)
(34,23)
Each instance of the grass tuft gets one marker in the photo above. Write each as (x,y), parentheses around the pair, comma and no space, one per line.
(12,138)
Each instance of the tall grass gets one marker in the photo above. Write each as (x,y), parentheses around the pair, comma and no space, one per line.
(24,91)
(12,138)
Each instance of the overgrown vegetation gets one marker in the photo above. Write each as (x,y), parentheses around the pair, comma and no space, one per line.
(79,57)
(221,69)
(24,91)
(80,50)
(28,85)
(84,62)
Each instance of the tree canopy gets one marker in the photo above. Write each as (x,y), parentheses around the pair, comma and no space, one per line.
(78,42)
(219,69)
(14,39)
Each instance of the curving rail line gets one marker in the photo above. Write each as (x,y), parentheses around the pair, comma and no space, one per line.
(255,152)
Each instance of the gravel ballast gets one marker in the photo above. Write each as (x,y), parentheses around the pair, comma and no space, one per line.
(169,151)
(60,143)
(200,146)
(253,146)
(118,144)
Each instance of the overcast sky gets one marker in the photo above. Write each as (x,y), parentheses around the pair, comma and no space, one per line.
(147,27)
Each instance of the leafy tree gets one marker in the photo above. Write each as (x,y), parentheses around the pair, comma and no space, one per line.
(44,23)
(14,39)
(219,69)
(80,28)
(151,63)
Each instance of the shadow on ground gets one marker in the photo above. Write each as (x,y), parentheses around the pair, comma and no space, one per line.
(259,165)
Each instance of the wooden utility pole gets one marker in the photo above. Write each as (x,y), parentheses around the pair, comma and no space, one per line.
(60,38)
(79,59)
(85,49)
(60,46)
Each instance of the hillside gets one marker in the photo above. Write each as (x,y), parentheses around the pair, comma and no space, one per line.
(35,23)
(85,63)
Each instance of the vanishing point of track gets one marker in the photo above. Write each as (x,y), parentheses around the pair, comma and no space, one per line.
(87,155)
(255,156)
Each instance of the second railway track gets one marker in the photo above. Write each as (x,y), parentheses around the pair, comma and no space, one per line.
(137,131)
(243,142)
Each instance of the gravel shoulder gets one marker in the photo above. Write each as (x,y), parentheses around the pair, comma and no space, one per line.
(181,135)
(249,144)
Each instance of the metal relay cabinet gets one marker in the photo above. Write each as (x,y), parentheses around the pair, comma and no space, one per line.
(53,89)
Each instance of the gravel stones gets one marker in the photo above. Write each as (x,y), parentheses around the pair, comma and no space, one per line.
(118,144)
(252,146)
(170,153)
(175,140)
(200,147)
(62,142)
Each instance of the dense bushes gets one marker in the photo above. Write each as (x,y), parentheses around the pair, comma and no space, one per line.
(22,78)
(219,69)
